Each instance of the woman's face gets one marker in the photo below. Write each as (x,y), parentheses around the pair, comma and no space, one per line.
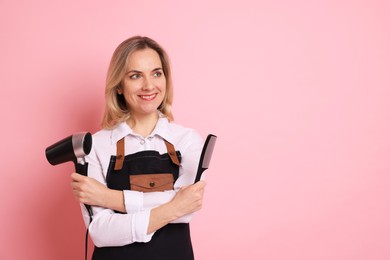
(144,84)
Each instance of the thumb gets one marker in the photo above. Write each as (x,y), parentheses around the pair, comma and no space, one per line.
(200,184)
(76,177)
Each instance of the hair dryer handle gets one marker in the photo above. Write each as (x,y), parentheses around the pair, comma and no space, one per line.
(82,168)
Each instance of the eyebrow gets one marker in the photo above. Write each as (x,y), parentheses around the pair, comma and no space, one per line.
(137,71)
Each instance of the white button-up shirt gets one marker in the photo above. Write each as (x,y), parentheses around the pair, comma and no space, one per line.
(114,229)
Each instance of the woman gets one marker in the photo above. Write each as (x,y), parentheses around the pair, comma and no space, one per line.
(142,165)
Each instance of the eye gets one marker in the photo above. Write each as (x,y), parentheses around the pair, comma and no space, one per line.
(157,74)
(135,76)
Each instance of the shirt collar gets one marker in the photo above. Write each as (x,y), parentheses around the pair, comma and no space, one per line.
(161,129)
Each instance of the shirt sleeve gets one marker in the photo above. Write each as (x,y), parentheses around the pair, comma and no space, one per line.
(109,228)
(114,229)
(190,151)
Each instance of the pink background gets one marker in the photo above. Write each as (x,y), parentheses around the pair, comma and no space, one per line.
(298,93)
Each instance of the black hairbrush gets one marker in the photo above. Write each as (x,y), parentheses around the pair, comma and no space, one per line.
(205,157)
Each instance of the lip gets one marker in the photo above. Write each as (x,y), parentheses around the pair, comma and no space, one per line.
(148,97)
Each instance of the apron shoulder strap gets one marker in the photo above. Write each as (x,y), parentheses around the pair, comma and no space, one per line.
(120,153)
(172,152)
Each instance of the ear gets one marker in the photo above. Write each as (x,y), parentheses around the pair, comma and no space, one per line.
(119,90)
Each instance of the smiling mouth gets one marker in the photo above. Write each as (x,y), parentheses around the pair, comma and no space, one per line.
(148,97)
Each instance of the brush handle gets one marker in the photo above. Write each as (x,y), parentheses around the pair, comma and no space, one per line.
(199,174)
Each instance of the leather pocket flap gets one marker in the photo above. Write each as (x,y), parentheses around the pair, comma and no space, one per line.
(151,182)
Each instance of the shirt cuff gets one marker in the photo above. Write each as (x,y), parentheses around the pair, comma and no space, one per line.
(155,199)
(133,201)
(140,226)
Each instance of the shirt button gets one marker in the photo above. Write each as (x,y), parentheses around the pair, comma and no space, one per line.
(142,141)
(150,138)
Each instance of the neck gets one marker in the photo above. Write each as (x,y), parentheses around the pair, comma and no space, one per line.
(143,124)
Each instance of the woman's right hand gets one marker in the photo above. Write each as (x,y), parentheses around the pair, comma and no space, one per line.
(188,199)
(88,190)
(91,192)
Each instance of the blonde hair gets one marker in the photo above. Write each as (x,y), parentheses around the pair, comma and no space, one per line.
(116,110)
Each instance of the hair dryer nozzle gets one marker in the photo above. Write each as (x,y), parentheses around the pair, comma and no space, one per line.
(70,148)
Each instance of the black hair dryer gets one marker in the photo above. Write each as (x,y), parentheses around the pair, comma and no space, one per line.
(73,148)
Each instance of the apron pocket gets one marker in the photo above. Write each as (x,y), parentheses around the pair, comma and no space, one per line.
(151,182)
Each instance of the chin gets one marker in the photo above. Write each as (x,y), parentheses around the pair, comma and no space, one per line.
(149,111)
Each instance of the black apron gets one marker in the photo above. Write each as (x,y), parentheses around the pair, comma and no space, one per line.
(171,242)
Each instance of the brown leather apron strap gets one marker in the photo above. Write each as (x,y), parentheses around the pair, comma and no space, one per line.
(172,152)
(120,154)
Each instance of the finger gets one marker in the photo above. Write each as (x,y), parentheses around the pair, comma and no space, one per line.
(77,177)
(74,185)
(74,176)
(200,184)
(184,187)
(77,195)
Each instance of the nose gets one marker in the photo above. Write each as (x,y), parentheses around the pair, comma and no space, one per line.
(148,84)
